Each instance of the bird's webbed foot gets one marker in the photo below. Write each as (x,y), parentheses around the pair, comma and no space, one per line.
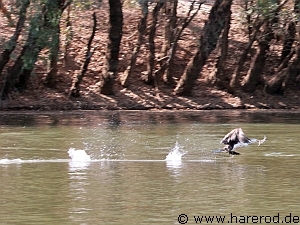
(233,153)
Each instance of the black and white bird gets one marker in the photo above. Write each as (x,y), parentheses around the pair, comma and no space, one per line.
(236,138)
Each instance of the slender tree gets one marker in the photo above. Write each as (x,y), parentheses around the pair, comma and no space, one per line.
(286,73)
(254,75)
(170,8)
(75,89)
(38,38)
(6,13)
(217,77)
(283,78)
(53,25)
(149,77)
(20,72)
(141,33)
(208,42)
(290,33)
(168,66)
(243,58)
(113,47)
(11,45)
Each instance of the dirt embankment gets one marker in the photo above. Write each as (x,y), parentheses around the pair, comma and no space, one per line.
(139,95)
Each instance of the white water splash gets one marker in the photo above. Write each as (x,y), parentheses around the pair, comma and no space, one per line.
(78,155)
(22,161)
(278,154)
(176,153)
(10,161)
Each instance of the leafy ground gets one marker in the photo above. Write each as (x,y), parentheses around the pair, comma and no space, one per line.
(139,95)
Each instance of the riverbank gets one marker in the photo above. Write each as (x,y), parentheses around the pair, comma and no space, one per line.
(138,95)
(146,98)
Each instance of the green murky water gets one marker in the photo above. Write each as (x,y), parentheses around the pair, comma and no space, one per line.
(128,180)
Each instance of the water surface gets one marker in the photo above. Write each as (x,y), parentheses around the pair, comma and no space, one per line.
(128,180)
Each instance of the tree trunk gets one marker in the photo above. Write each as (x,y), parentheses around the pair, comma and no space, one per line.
(167,68)
(58,7)
(21,70)
(113,47)
(169,38)
(278,83)
(254,76)
(282,77)
(290,34)
(208,42)
(68,35)
(75,89)
(141,32)
(18,73)
(10,46)
(248,7)
(6,13)
(171,18)
(217,77)
(243,57)
(149,77)
(52,70)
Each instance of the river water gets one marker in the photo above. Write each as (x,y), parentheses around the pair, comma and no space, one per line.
(128,179)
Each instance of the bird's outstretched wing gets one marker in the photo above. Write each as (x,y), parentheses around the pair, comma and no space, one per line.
(235,136)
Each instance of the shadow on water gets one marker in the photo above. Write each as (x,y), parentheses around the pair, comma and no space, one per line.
(117,118)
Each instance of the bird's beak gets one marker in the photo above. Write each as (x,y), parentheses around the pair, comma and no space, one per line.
(262,141)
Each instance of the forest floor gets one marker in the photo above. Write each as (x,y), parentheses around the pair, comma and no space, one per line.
(137,95)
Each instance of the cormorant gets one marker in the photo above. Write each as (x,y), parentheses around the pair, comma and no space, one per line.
(237,138)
